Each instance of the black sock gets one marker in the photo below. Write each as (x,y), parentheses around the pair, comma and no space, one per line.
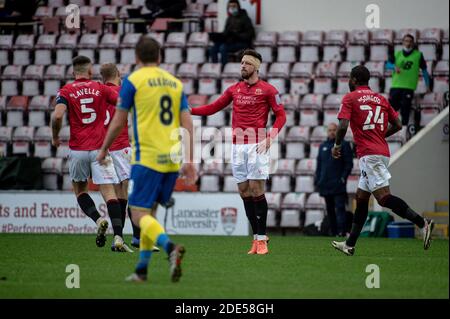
(115,215)
(402,209)
(136,229)
(261,213)
(361,212)
(88,206)
(251,213)
(123,209)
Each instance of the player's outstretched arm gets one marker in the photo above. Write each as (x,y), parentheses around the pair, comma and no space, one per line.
(57,118)
(222,102)
(394,127)
(188,170)
(340,134)
(280,119)
(118,122)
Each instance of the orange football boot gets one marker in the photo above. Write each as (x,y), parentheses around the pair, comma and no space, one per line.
(262,247)
(254,248)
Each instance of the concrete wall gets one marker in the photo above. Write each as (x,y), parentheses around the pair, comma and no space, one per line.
(285,15)
(420,170)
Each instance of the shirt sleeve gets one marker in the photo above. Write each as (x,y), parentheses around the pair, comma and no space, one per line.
(184,105)
(274,101)
(111,95)
(392,114)
(62,97)
(223,101)
(423,63)
(345,112)
(127,93)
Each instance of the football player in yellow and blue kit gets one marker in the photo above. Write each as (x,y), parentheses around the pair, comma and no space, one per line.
(159,107)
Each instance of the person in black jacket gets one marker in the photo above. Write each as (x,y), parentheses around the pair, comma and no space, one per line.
(331,180)
(237,35)
(166,9)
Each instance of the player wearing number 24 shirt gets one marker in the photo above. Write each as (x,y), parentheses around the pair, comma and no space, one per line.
(372,119)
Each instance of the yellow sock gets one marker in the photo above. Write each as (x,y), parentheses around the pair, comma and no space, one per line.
(150,231)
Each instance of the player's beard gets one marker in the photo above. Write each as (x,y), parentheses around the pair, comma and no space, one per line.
(246,75)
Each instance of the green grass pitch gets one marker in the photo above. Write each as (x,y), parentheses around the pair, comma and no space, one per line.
(34,266)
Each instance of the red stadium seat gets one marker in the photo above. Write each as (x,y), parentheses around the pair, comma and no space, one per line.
(304,184)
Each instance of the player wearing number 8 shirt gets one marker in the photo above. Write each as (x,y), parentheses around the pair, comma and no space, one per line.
(372,119)
(86,102)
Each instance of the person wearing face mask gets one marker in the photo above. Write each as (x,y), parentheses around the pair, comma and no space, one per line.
(406,64)
(237,35)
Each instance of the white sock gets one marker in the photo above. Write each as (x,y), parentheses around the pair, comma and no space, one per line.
(255,237)
(261,237)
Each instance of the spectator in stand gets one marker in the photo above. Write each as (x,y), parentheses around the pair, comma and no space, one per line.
(406,64)
(331,180)
(237,35)
(154,9)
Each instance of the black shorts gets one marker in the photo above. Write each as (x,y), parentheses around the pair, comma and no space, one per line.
(401,98)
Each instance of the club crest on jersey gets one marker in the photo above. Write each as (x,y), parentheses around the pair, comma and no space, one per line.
(229,219)
(258,91)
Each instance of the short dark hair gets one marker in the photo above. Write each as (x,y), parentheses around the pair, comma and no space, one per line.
(409,35)
(80,64)
(148,49)
(361,74)
(253,53)
(235,1)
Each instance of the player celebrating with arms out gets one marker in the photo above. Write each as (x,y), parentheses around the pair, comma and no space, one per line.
(369,115)
(159,107)
(86,101)
(252,100)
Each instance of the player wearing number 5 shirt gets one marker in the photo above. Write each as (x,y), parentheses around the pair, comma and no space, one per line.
(372,119)
(86,102)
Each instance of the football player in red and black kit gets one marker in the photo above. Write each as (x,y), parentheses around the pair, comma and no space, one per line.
(252,100)
(372,119)
(86,102)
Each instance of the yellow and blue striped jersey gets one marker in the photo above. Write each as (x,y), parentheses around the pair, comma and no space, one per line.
(156,100)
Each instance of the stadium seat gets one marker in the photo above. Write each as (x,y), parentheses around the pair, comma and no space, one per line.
(216,120)
(22,137)
(332,53)
(431,100)
(285,167)
(295,150)
(445,52)
(278,69)
(24,41)
(441,69)
(319,134)
(287,54)
(294,201)
(51,168)
(173,55)
(194,10)
(304,184)
(326,69)
(226,83)
(360,37)
(21,57)
(323,86)
(4,60)
(169,67)
(356,170)
(30,87)
(306,166)
(6,41)
(209,183)
(355,53)
(290,101)
(43,57)
(34,72)
(399,34)
(130,40)
(309,118)
(374,84)
(207,86)
(87,12)
(440,84)
(64,57)
(281,184)
(38,110)
(89,41)
(6,134)
(312,102)
(16,107)
(230,185)
(210,70)
(290,118)
(289,38)
(298,134)
(279,84)
(312,37)
(107,56)
(430,35)
(9,88)
(188,86)
(271,218)
(342,86)
(352,183)
(314,150)
(382,36)
(315,201)
(211,10)
(330,116)
(428,51)
(379,53)
(313,216)
(290,218)
(266,53)
(46,41)
(309,53)
(108,12)
(302,70)
(42,142)
(188,70)
(273,201)
(231,70)
(345,68)
(376,69)
(12,72)
(427,115)
(213,167)
(299,86)
(333,101)
(51,87)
